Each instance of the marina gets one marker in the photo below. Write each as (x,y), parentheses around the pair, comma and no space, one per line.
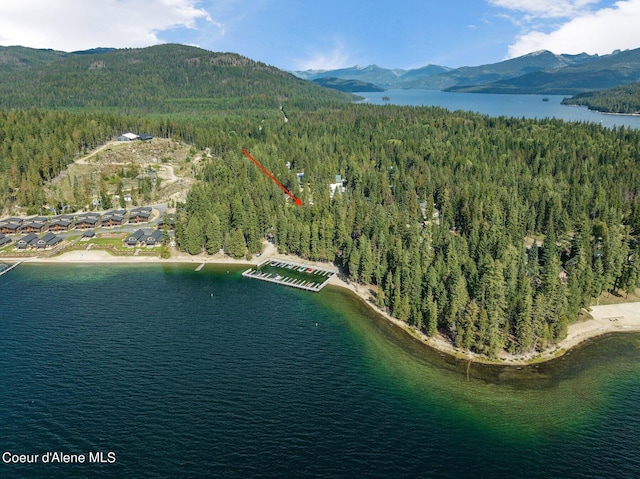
(292,274)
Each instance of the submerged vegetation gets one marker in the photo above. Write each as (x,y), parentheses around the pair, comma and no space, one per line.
(493,231)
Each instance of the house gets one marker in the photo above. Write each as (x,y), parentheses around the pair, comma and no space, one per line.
(87,235)
(60,224)
(337,186)
(87,221)
(128,137)
(140,215)
(134,238)
(9,227)
(170,221)
(49,240)
(114,218)
(27,241)
(4,240)
(154,238)
(145,137)
(31,227)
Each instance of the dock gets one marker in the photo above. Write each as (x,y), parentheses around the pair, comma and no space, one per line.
(200,267)
(14,265)
(295,275)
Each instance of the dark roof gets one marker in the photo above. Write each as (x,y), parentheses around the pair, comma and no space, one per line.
(154,237)
(28,239)
(136,236)
(60,221)
(87,219)
(10,226)
(12,220)
(32,224)
(140,214)
(4,240)
(47,237)
(142,208)
(88,234)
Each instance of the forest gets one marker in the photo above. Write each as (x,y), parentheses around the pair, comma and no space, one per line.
(621,99)
(534,218)
(494,232)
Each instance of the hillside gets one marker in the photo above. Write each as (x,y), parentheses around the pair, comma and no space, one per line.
(601,72)
(620,99)
(347,86)
(158,79)
(22,58)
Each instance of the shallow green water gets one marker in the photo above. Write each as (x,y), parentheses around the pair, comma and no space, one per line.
(191,374)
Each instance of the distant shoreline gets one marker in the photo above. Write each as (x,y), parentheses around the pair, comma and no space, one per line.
(623,317)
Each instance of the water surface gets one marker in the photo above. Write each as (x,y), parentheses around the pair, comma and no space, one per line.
(519,106)
(192,374)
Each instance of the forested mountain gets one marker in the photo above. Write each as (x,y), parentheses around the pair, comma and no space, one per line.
(348,86)
(22,58)
(602,72)
(163,78)
(508,69)
(493,231)
(620,99)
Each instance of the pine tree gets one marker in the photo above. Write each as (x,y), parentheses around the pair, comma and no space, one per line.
(193,235)
(213,234)
(235,245)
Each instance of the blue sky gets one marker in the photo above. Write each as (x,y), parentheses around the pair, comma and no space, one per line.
(325,34)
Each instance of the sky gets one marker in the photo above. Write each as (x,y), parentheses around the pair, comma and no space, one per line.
(330,34)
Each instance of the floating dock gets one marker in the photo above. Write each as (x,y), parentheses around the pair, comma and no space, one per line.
(287,273)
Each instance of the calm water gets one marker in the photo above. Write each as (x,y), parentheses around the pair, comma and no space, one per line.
(528,106)
(208,374)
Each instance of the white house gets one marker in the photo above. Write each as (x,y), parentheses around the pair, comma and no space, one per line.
(128,137)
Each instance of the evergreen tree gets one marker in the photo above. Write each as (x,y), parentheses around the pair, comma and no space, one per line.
(235,245)
(193,236)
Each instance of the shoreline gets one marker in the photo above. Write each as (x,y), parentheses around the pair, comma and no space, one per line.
(623,317)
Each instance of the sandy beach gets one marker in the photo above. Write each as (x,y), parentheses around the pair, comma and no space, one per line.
(623,317)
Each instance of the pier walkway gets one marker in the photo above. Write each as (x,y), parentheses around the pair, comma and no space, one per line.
(14,265)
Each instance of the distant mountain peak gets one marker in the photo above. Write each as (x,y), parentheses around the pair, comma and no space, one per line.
(538,52)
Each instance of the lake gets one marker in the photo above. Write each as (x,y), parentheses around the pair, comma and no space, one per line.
(180,373)
(527,106)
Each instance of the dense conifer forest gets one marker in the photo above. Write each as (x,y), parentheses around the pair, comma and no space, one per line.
(620,99)
(492,231)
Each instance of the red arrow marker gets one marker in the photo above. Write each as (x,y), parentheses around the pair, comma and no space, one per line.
(297,201)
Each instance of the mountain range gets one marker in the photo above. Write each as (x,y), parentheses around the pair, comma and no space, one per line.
(541,72)
(179,78)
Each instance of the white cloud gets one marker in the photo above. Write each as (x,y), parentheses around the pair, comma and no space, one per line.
(81,24)
(601,32)
(545,8)
(326,60)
